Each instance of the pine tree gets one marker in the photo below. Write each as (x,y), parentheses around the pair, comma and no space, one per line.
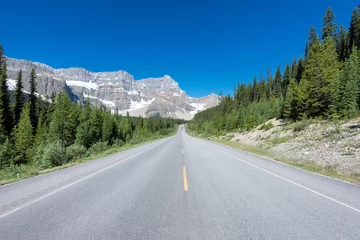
(329,27)
(354,30)
(7,118)
(278,83)
(33,101)
(312,38)
(2,58)
(349,106)
(342,47)
(19,98)
(23,136)
(108,128)
(322,79)
(300,69)
(41,130)
(63,129)
(286,81)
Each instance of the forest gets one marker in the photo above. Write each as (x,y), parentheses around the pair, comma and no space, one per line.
(49,133)
(322,84)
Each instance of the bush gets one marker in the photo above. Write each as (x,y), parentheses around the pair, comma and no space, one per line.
(301,126)
(75,151)
(52,155)
(6,152)
(98,147)
(267,126)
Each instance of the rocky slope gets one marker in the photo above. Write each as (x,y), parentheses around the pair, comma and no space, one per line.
(333,145)
(151,97)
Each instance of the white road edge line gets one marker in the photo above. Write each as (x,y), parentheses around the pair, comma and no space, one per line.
(78,181)
(292,182)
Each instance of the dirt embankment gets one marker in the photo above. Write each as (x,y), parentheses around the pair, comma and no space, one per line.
(333,145)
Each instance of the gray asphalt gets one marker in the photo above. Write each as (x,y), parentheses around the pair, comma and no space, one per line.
(139,194)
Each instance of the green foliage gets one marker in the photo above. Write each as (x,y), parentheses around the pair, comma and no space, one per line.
(6,154)
(6,115)
(323,85)
(302,125)
(329,27)
(24,137)
(19,98)
(33,100)
(75,151)
(52,155)
(266,126)
(98,147)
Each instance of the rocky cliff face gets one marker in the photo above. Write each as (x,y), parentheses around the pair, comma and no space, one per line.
(151,97)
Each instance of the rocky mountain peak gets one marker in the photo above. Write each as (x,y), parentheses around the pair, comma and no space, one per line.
(117,90)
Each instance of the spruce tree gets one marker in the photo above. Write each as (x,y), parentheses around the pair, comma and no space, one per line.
(278,83)
(7,118)
(286,80)
(354,30)
(349,105)
(23,136)
(342,47)
(62,126)
(19,98)
(312,38)
(300,69)
(321,77)
(33,101)
(329,27)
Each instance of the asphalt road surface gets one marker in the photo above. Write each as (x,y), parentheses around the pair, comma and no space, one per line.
(180,188)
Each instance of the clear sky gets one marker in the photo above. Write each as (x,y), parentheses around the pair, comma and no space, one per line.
(206,46)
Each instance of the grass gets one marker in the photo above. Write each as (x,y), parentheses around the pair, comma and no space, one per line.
(266,126)
(19,172)
(306,165)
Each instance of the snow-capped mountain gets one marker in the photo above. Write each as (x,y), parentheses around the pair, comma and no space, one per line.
(118,90)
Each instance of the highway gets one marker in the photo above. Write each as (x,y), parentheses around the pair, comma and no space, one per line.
(180,188)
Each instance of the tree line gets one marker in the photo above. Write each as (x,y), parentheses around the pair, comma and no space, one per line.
(52,132)
(323,84)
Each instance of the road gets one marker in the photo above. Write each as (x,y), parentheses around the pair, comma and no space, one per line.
(180,188)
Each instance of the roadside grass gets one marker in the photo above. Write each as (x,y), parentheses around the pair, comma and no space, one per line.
(299,163)
(18,172)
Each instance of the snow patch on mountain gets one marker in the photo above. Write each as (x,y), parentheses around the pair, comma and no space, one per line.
(137,105)
(88,85)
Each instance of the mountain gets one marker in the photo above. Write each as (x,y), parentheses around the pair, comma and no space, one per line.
(150,97)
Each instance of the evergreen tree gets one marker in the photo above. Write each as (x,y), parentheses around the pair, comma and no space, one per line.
(7,118)
(278,83)
(63,125)
(349,105)
(312,38)
(2,58)
(23,137)
(286,81)
(329,27)
(42,129)
(322,79)
(354,30)
(342,47)
(33,101)
(19,98)
(108,128)
(300,70)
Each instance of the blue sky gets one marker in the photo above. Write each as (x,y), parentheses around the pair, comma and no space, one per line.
(206,46)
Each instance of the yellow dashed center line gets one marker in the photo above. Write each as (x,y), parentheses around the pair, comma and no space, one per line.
(182,150)
(185,180)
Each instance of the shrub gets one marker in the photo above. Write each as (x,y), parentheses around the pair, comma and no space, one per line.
(51,155)
(75,151)
(266,126)
(98,147)
(6,152)
(301,126)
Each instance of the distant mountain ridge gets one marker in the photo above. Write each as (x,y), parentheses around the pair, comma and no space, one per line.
(150,97)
